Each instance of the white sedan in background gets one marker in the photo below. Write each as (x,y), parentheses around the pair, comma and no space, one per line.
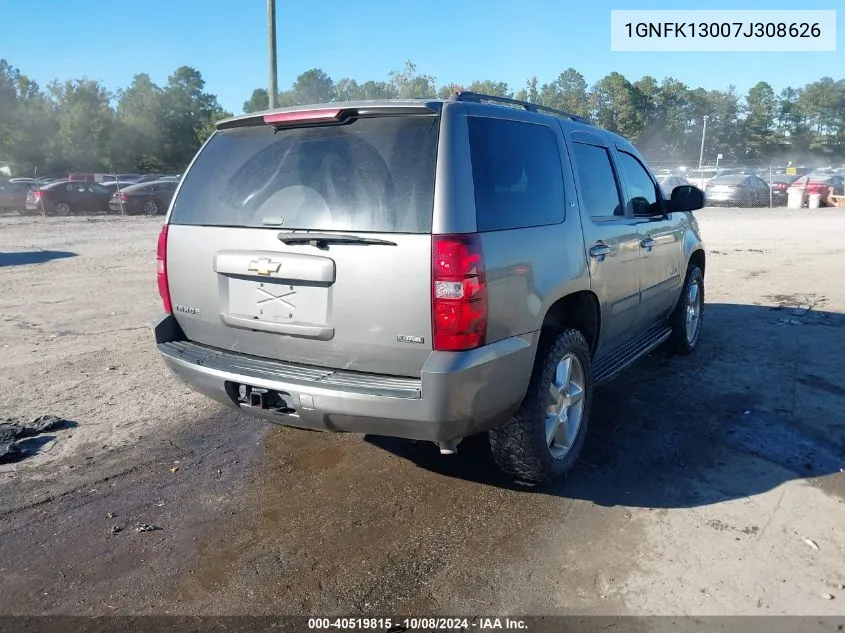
(667,183)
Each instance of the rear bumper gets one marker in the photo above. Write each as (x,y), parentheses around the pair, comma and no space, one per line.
(458,393)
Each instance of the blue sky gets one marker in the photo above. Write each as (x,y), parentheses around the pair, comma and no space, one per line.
(454,40)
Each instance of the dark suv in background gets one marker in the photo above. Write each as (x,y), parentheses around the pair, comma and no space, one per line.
(425,269)
(13,195)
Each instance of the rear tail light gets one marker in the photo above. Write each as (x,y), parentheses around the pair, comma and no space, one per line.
(161,260)
(36,195)
(459,293)
(123,197)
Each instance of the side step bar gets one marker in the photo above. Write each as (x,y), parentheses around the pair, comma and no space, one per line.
(609,366)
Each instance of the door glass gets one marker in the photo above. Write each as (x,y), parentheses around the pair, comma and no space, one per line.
(642,192)
(596,181)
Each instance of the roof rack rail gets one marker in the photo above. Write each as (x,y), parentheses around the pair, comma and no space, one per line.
(477,97)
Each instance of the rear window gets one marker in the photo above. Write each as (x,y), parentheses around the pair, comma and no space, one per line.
(516,173)
(373,174)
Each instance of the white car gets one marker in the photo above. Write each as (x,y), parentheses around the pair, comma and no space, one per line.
(669,182)
(701,177)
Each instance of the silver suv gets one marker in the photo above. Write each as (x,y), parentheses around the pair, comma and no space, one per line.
(425,269)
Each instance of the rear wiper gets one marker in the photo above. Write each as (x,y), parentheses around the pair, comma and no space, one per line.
(322,240)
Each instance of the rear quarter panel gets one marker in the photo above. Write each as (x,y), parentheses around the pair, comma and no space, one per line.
(528,269)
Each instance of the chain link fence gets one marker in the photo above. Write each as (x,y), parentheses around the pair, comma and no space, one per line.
(772,192)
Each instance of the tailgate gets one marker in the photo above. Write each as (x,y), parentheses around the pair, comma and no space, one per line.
(358,300)
(346,307)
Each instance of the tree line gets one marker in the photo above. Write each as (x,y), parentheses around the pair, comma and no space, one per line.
(80,125)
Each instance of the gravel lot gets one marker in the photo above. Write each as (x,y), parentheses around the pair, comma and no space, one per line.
(711,484)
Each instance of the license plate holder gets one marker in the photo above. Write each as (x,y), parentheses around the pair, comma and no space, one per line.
(277,301)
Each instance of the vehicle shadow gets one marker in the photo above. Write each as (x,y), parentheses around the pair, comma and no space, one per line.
(24,258)
(759,403)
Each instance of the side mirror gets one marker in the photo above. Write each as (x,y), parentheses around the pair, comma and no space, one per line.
(686,198)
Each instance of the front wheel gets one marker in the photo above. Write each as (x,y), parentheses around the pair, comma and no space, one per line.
(543,439)
(687,317)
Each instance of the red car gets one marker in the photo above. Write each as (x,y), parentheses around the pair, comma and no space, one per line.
(821,184)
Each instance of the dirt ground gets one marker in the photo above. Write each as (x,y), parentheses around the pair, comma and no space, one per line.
(711,484)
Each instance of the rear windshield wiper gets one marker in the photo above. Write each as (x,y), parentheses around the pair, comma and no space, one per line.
(322,240)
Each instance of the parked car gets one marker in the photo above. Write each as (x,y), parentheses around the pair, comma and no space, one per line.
(129,177)
(66,197)
(670,181)
(95,177)
(151,198)
(738,190)
(118,185)
(149,178)
(13,195)
(823,184)
(430,269)
(779,184)
(702,178)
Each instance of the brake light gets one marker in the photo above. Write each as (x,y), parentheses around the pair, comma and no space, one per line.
(459,293)
(124,198)
(161,275)
(36,195)
(304,116)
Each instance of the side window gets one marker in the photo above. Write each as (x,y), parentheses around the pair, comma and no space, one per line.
(596,181)
(642,194)
(517,175)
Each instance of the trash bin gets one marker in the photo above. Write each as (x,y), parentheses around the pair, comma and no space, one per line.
(795,199)
(814,201)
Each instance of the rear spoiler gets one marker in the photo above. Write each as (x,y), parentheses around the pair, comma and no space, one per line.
(341,113)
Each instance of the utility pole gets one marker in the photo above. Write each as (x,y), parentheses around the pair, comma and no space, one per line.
(273,88)
(703,132)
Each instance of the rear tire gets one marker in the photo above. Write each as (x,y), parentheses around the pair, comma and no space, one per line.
(688,315)
(63,208)
(151,208)
(543,439)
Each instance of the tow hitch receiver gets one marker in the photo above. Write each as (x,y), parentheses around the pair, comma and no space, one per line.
(266,399)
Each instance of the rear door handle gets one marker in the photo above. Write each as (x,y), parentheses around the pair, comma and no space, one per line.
(647,243)
(599,251)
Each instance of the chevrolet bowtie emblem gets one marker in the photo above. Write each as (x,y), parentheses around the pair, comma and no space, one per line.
(265,266)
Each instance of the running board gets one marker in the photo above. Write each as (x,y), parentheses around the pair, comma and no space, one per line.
(609,366)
